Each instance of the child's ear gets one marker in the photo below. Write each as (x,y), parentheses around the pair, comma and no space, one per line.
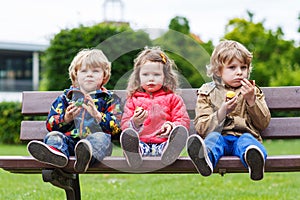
(218,71)
(104,81)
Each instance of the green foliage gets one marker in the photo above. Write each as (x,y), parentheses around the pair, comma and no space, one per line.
(67,43)
(275,60)
(180,24)
(189,56)
(121,45)
(287,77)
(121,49)
(10,121)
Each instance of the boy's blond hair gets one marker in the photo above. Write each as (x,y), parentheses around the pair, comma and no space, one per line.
(90,58)
(153,54)
(224,53)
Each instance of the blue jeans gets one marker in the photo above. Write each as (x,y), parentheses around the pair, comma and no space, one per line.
(101,144)
(218,145)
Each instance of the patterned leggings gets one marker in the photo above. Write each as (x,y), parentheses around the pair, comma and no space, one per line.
(148,149)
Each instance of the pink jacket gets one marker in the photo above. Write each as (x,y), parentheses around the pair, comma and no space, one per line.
(162,107)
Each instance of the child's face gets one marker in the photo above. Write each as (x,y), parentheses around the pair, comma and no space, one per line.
(233,73)
(151,76)
(89,79)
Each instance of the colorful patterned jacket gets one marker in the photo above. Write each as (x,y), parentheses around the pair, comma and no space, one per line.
(84,123)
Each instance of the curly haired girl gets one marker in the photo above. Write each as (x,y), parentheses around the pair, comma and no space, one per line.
(155,121)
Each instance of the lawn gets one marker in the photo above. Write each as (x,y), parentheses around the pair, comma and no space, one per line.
(152,186)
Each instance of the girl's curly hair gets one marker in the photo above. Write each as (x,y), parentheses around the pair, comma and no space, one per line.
(153,54)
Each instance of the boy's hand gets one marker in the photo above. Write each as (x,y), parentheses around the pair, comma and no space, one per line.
(139,116)
(90,107)
(227,107)
(71,112)
(248,91)
(231,104)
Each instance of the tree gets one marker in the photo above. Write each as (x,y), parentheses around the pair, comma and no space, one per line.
(273,56)
(118,41)
(180,24)
(187,50)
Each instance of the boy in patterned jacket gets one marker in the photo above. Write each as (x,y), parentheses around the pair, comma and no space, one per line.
(81,120)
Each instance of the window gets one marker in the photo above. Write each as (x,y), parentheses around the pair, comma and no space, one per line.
(15,71)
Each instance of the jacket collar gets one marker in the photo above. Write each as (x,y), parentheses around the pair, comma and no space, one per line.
(160,92)
(101,92)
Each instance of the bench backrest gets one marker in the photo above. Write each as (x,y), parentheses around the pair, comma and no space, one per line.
(278,99)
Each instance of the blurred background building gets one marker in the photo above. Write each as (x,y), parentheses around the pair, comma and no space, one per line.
(19,68)
(20,63)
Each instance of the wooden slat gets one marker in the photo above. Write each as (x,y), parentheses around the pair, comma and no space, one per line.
(33,130)
(37,103)
(283,98)
(189,97)
(287,128)
(227,164)
(36,130)
(278,98)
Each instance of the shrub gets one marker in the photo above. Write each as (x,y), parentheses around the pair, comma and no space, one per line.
(10,121)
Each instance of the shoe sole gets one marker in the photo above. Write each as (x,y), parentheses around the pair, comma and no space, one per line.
(175,145)
(196,153)
(83,154)
(44,154)
(130,146)
(255,163)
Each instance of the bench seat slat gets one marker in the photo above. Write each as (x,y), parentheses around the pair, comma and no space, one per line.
(227,164)
(278,128)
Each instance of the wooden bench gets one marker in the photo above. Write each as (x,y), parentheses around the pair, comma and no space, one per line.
(38,104)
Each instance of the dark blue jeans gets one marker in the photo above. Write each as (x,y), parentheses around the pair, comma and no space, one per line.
(218,145)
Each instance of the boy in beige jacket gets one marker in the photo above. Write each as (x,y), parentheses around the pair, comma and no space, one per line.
(230,125)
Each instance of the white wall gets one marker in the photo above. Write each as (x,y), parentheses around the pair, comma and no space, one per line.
(10,96)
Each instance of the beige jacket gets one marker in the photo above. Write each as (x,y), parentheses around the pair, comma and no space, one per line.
(243,119)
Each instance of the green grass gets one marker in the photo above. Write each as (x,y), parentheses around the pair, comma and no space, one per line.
(153,186)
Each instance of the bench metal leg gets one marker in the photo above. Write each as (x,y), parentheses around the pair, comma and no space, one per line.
(66,181)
